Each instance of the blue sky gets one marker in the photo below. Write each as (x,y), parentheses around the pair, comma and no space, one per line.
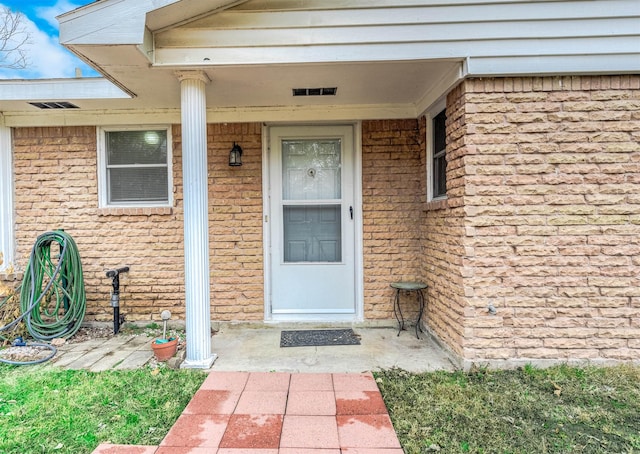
(47,58)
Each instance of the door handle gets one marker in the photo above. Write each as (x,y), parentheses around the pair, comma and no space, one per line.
(351,212)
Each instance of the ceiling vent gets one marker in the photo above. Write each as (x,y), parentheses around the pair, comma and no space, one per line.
(54,105)
(327,91)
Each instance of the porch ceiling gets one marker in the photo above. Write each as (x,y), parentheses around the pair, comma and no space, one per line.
(388,83)
(399,87)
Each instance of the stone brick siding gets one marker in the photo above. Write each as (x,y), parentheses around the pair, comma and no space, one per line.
(542,220)
(235,217)
(552,217)
(56,187)
(392,181)
(442,237)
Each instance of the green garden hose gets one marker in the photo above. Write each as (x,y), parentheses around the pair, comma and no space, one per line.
(52,295)
(52,298)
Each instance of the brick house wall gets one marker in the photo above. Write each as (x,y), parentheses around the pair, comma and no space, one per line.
(442,237)
(391,210)
(235,219)
(551,177)
(56,187)
(542,220)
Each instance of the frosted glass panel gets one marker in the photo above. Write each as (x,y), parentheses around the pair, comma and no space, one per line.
(312,233)
(311,169)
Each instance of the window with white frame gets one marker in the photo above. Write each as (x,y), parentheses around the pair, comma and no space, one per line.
(438,159)
(135,167)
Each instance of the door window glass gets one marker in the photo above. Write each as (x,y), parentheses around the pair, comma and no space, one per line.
(312,228)
(312,233)
(311,169)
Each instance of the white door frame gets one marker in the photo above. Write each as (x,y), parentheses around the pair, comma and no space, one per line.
(357,218)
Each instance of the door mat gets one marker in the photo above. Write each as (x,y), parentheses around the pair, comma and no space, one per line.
(318,337)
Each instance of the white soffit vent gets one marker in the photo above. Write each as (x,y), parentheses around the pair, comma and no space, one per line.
(54,105)
(326,91)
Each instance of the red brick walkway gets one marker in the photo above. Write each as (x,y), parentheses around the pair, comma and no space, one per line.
(279,413)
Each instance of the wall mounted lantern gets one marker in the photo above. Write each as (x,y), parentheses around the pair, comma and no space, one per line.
(235,155)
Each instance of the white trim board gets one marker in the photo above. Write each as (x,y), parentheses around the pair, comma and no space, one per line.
(7,244)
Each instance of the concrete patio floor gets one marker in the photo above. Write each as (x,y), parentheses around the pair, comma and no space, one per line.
(256,348)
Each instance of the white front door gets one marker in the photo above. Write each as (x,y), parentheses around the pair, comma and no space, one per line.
(312,223)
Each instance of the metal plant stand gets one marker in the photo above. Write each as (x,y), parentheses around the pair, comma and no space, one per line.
(417,287)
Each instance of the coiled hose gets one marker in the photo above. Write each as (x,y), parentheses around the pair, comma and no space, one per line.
(52,295)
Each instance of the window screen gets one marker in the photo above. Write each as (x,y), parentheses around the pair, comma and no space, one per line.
(137,167)
(439,164)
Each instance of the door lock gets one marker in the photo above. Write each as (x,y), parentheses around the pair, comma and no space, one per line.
(351,212)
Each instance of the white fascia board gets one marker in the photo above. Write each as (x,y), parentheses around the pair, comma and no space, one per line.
(108,22)
(297,114)
(627,63)
(202,57)
(82,117)
(7,243)
(74,117)
(59,89)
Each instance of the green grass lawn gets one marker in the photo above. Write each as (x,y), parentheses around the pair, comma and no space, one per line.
(528,410)
(49,410)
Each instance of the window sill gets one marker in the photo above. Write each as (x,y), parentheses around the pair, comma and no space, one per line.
(438,204)
(134,211)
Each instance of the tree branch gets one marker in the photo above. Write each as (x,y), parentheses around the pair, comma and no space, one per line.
(14,38)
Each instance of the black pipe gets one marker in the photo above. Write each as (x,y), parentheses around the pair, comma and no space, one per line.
(115,296)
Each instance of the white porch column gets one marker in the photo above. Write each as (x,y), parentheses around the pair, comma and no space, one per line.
(196,219)
(6,199)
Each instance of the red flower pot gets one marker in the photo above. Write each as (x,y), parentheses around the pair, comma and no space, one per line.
(165,350)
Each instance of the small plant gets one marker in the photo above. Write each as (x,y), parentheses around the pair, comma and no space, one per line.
(131,328)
